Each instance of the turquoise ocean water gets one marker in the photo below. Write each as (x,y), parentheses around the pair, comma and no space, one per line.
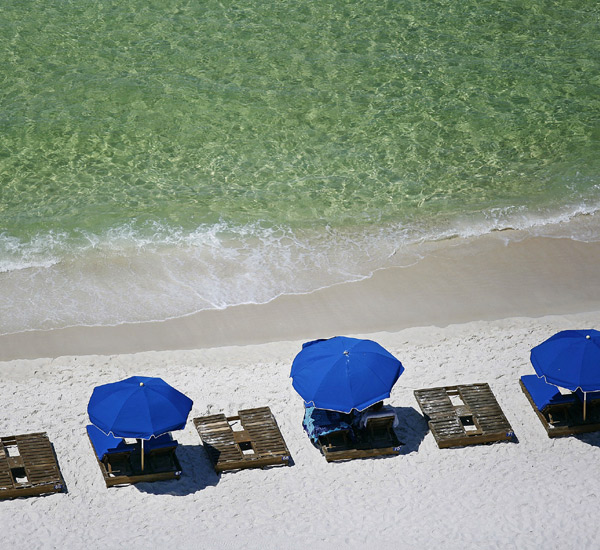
(160,158)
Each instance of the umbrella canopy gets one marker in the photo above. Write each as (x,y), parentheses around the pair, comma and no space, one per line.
(138,407)
(341,374)
(570,359)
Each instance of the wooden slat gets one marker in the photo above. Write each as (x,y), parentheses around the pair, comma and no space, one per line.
(447,427)
(434,402)
(260,430)
(264,432)
(350,453)
(6,480)
(490,423)
(218,438)
(37,458)
(480,399)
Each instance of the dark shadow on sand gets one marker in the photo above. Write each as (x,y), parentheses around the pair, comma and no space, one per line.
(411,430)
(591,438)
(197,474)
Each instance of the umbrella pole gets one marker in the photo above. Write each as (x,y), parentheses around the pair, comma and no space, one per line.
(143,448)
(584,404)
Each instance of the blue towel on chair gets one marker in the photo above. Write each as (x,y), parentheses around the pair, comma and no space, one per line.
(318,422)
(164,441)
(544,394)
(107,444)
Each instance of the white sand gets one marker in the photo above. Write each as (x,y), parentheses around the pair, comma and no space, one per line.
(535,493)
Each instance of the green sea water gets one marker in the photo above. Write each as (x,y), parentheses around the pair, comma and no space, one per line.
(215,140)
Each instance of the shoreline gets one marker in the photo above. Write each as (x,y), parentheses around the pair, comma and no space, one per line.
(483,280)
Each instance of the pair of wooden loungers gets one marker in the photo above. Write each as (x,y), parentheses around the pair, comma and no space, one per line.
(28,466)
(457,416)
(463,415)
(121,461)
(340,438)
(562,414)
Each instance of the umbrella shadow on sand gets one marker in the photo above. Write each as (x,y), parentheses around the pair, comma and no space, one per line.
(411,430)
(197,474)
(591,438)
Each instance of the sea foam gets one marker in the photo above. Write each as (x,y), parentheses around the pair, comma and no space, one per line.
(156,272)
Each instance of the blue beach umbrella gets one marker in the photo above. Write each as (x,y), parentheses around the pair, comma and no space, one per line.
(341,374)
(139,407)
(570,359)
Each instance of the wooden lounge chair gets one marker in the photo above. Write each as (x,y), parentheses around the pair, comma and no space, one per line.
(380,431)
(121,463)
(28,466)
(336,445)
(377,439)
(338,438)
(256,444)
(464,415)
(560,414)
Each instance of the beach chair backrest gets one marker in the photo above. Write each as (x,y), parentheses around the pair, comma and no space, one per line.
(380,424)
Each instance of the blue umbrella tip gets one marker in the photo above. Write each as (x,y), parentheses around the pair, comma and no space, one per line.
(141,383)
(587,336)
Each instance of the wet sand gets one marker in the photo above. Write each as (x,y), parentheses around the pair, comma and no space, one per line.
(462,281)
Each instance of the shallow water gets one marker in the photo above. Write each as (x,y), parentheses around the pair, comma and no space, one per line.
(156,160)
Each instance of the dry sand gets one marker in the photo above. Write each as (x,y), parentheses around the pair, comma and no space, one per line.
(536,493)
(533,493)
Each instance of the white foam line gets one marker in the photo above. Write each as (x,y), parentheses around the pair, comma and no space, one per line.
(284,263)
